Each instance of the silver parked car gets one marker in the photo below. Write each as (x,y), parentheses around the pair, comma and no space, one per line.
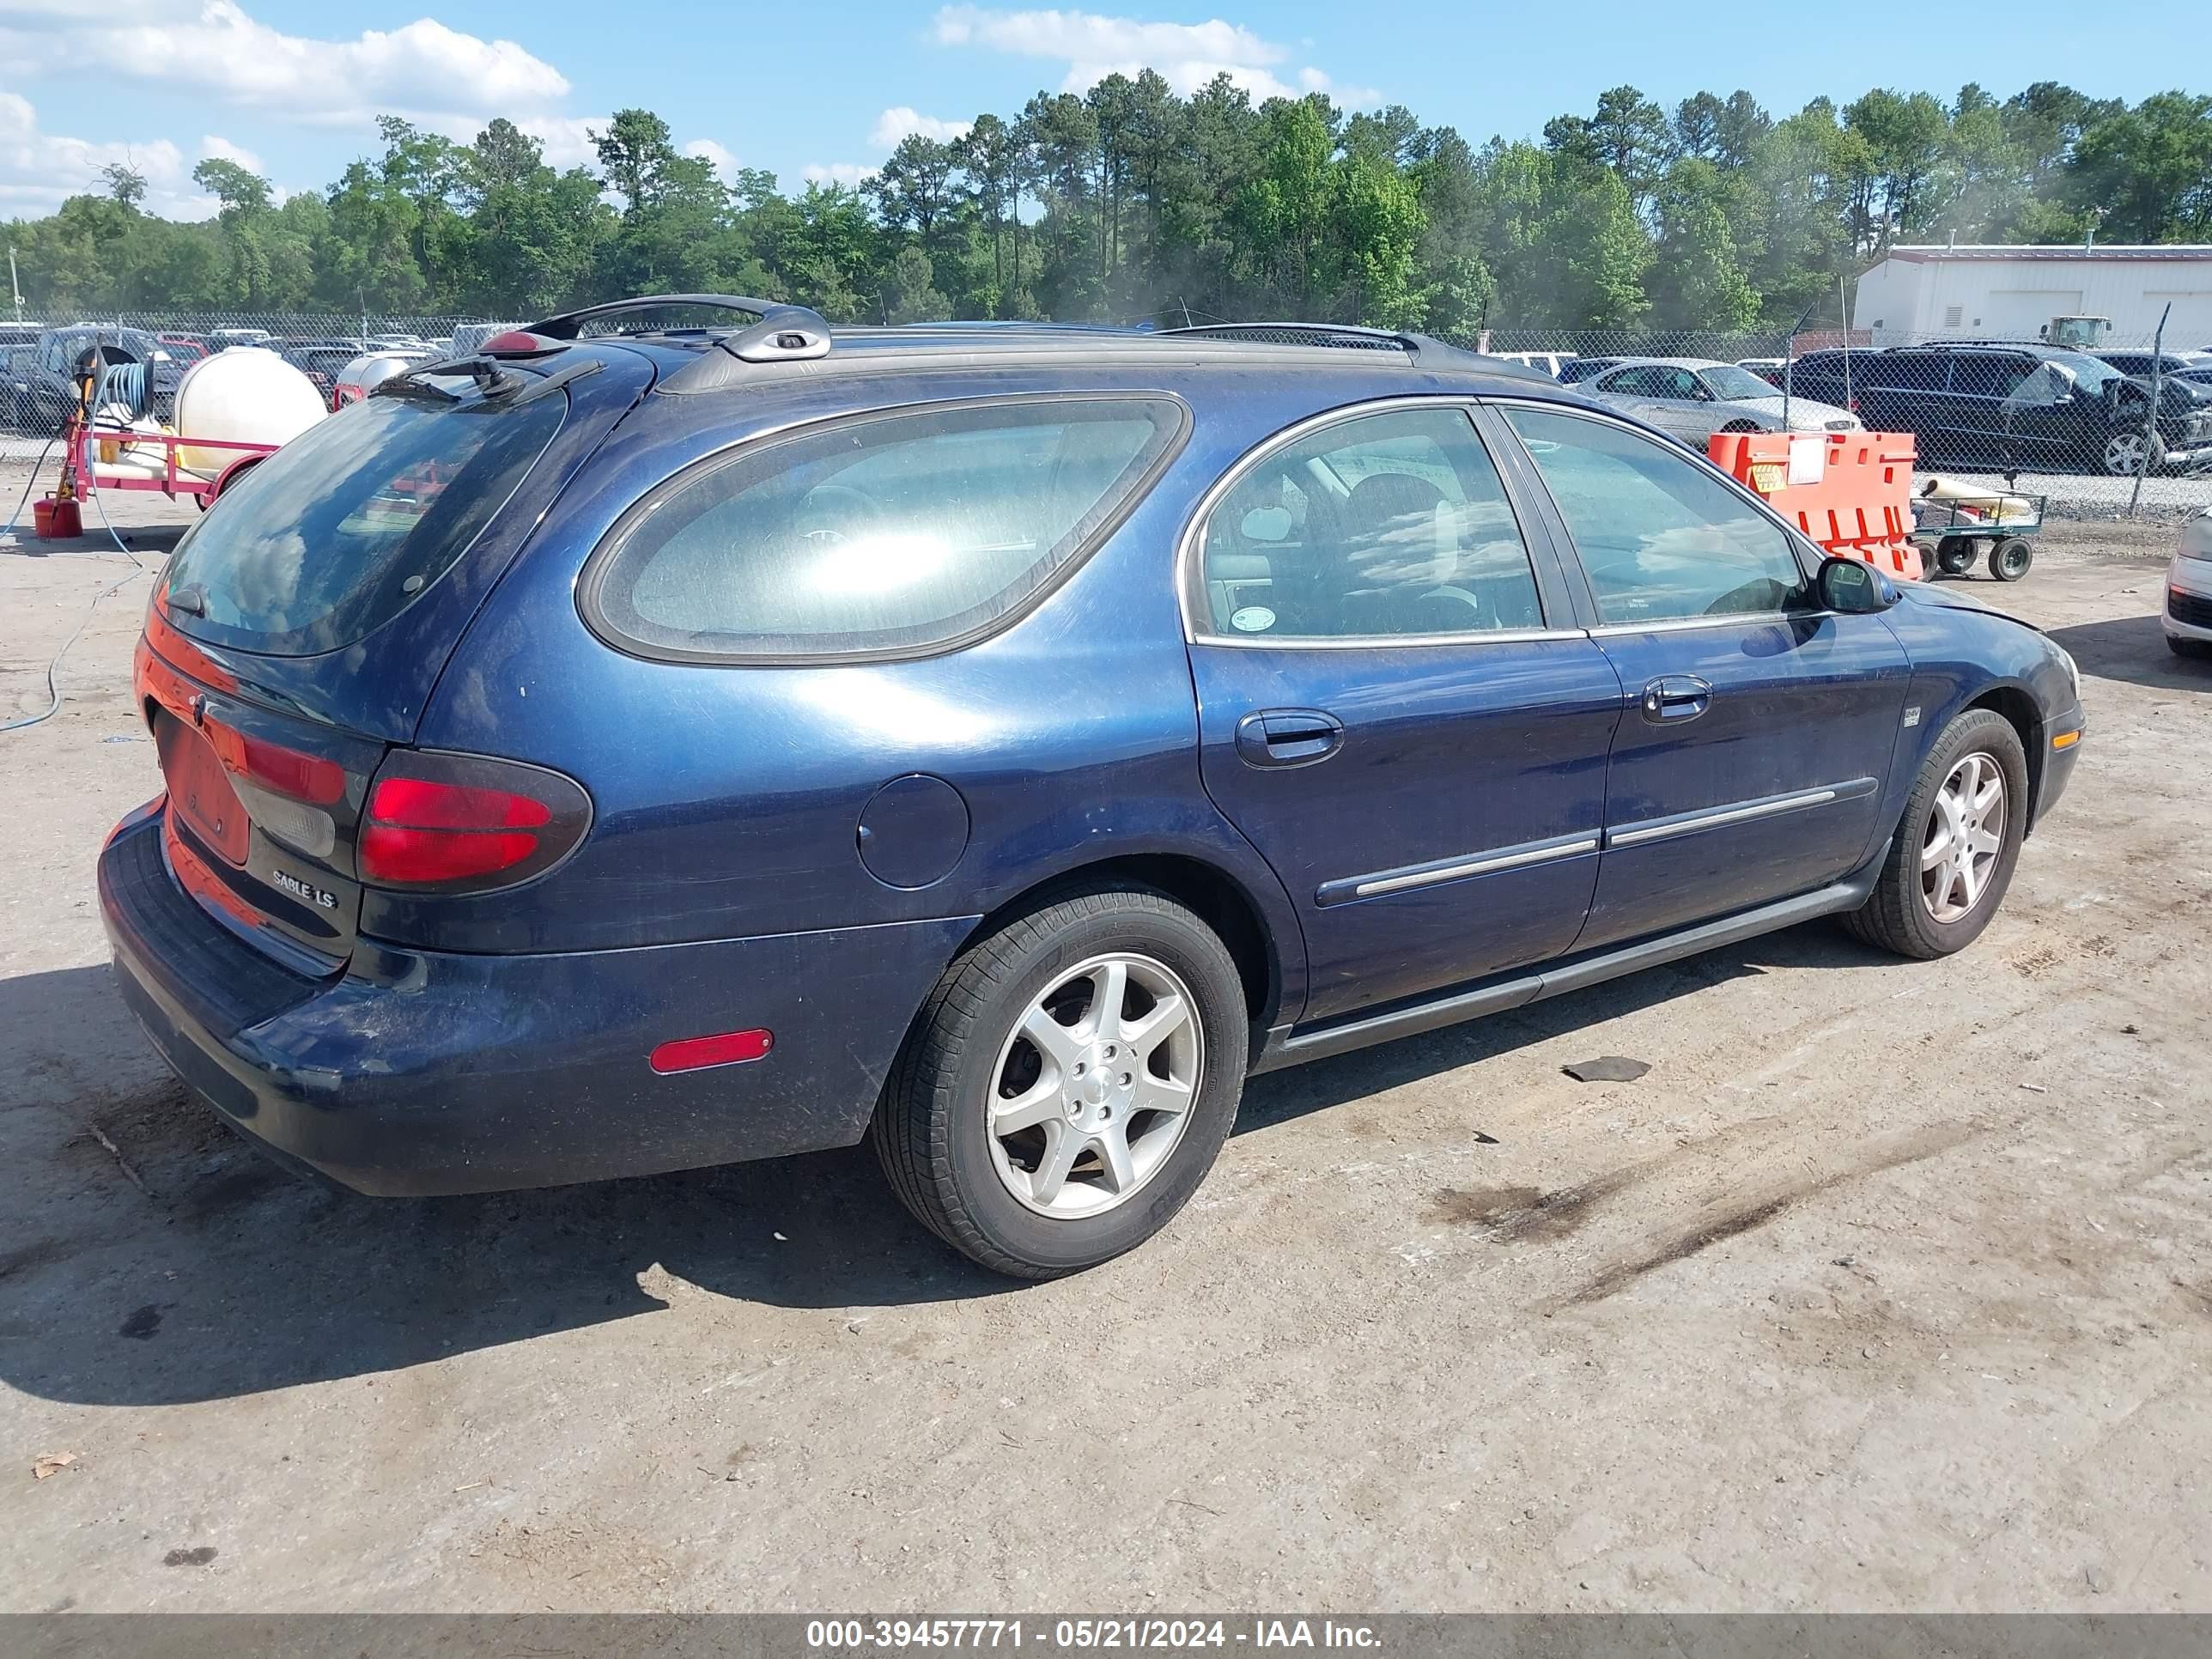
(1693,398)
(372,369)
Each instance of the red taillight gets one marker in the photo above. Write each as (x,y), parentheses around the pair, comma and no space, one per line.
(400,857)
(696,1054)
(303,777)
(423,804)
(438,820)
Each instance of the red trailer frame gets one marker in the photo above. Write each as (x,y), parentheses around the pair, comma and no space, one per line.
(174,480)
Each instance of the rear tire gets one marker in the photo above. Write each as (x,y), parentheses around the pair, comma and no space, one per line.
(1123,1122)
(1954,556)
(1900,915)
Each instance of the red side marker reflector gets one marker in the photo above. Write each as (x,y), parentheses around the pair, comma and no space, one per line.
(695,1053)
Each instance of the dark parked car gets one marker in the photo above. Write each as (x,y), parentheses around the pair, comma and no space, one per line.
(2041,408)
(2191,368)
(321,360)
(18,402)
(48,374)
(1577,369)
(997,742)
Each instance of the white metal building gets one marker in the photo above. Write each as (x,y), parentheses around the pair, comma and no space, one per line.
(2009,293)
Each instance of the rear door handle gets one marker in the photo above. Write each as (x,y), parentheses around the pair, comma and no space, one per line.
(1288,736)
(1675,697)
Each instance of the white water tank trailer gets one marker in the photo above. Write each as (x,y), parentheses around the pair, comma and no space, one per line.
(242,395)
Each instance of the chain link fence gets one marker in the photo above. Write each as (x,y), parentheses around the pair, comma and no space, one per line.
(2121,427)
(38,355)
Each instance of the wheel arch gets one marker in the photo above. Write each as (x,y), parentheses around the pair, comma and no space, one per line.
(2022,713)
(1210,892)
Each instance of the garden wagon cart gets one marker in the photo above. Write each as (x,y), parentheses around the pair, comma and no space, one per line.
(1954,526)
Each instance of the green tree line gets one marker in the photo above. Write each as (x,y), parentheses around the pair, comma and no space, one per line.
(1130,201)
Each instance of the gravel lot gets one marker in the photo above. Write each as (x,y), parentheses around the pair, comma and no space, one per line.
(1890,1286)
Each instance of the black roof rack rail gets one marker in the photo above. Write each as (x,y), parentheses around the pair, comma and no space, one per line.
(1349,335)
(1417,348)
(782,332)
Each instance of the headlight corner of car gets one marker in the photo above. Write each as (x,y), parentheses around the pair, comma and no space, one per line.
(2073,668)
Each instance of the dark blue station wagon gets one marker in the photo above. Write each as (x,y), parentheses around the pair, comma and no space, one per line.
(638,747)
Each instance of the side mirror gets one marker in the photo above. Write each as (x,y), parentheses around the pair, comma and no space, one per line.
(1852,587)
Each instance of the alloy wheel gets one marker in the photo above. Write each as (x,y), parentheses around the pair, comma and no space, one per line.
(1095,1085)
(1964,839)
(2124,454)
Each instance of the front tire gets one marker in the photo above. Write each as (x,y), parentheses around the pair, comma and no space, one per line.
(1068,1082)
(1952,859)
(2124,453)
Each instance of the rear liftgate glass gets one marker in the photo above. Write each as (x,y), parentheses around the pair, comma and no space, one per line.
(277,820)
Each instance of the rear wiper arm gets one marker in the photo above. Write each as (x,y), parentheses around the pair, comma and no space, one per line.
(492,380)
(406,385)
(191,599)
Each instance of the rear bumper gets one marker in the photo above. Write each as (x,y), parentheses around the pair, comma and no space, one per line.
(417,1073)
(2187,612)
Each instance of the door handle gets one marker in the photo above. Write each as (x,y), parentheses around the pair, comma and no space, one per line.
(1288,736)
(1675,697)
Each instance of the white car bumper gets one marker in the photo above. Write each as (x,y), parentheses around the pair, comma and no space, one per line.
(2187,611)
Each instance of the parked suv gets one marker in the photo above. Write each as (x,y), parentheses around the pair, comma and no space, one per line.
(996,742)
(2037,407)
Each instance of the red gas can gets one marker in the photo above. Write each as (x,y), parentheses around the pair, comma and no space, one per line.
(54,518)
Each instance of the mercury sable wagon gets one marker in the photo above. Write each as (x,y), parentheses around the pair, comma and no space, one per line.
(632,746)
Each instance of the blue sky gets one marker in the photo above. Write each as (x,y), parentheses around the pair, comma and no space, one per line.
(822,91)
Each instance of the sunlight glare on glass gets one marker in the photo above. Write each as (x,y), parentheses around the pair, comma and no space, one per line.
(879,561)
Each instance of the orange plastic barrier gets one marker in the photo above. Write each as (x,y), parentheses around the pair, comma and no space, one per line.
(1861,506)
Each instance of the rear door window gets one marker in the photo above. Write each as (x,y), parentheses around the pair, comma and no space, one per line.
(346,525)
(1642,381)
(1990,374)
(892,534)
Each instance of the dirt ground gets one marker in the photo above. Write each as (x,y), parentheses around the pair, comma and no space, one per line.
(1889,1286)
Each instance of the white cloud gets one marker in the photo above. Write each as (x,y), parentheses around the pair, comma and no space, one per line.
(41,170)
(215,148)
(1186,55)
(851,174)
(564,140)
(421,70)
(716,155)
(893,124)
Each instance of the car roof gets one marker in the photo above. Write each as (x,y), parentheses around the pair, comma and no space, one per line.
(690,361)
(1670,362)
(2033,348)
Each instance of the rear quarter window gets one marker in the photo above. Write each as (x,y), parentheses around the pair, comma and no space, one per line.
(890,534)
